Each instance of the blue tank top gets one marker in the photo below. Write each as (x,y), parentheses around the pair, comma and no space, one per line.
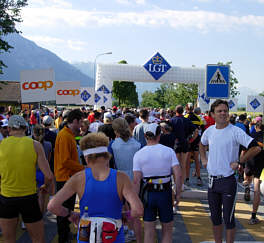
(102,199)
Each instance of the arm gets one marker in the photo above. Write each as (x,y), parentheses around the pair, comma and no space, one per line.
(55,204)
(65,152)
(253,150)
(137,179)
(250,154)
(202,150)
(177,175)
(131,196)
(44,166)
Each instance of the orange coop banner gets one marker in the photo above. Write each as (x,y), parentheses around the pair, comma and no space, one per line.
(37,85)
(68,92)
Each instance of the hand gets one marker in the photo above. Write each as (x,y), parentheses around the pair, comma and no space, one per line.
(135,213)
(74,218)
(234,165)
(44,189)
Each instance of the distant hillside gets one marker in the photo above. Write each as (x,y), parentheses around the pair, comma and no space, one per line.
(27,55)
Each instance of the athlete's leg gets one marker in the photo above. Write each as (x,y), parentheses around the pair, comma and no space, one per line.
(36,231)
(218,232)
(256,199)
(197,163)
(8,227)
(167,232)
(149,232)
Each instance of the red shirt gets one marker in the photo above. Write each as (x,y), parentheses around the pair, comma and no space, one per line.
(209,121)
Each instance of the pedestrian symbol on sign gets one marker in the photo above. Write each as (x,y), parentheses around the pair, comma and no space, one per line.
(217,78)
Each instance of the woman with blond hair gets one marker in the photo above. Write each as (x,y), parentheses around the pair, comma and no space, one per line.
(99,188)
(124,147)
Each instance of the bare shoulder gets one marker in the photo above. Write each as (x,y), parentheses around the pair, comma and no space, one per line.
(37,145)
(79,175)
(122,176)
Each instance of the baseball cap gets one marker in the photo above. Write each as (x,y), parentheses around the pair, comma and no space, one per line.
(151,129)
(47,120)
(107,115)
(114,107)
(65,114)
(4,123)
(17,121)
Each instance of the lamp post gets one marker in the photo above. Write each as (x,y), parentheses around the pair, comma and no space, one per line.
(101,54)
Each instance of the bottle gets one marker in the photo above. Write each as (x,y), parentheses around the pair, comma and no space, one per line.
(84,226)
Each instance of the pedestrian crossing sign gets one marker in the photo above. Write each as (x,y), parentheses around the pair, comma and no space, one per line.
(217,81)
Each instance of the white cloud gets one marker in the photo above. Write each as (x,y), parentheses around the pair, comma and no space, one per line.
(200,20)
(130,2)
(51,42)
(52,3)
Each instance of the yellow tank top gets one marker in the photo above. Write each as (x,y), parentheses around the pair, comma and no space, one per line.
(18,167)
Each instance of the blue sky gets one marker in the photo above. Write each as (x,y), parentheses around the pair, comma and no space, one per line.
(185,32)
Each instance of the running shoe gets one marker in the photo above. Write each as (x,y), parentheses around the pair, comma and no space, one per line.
(254,221)
(247,194)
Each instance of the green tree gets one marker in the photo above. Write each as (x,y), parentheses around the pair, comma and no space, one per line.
(125,92)
(262,93)
(9,16)
(149,99)
(233,80)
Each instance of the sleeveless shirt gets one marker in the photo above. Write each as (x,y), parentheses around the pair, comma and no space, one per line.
(18,167)
(102,199)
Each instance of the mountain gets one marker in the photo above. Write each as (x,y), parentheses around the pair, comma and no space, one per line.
(27,55)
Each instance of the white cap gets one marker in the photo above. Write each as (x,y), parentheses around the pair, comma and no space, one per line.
(151,128)
(47,120)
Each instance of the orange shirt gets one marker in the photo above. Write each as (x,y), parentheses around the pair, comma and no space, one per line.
(66,159)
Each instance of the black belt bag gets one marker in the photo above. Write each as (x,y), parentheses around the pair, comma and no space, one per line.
(159,187)
(147,186)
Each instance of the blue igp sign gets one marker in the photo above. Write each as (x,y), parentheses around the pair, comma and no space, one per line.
(217,81)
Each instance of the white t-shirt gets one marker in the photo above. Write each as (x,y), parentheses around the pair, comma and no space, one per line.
(155,160)
(223,148)
(95,125)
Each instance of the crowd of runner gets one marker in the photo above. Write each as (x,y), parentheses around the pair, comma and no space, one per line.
(110,158)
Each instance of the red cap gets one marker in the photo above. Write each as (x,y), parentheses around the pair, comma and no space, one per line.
(114,107)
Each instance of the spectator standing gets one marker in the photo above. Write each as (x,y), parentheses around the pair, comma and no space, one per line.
(97,122)
(66,164)
(50,136)
(154,163)
(100,188)
(223,140)
(18,158)
(138,132)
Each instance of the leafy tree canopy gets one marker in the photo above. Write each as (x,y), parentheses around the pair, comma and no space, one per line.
(125,92)
(9,16)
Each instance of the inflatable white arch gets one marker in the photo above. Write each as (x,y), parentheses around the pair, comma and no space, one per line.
(107,73)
